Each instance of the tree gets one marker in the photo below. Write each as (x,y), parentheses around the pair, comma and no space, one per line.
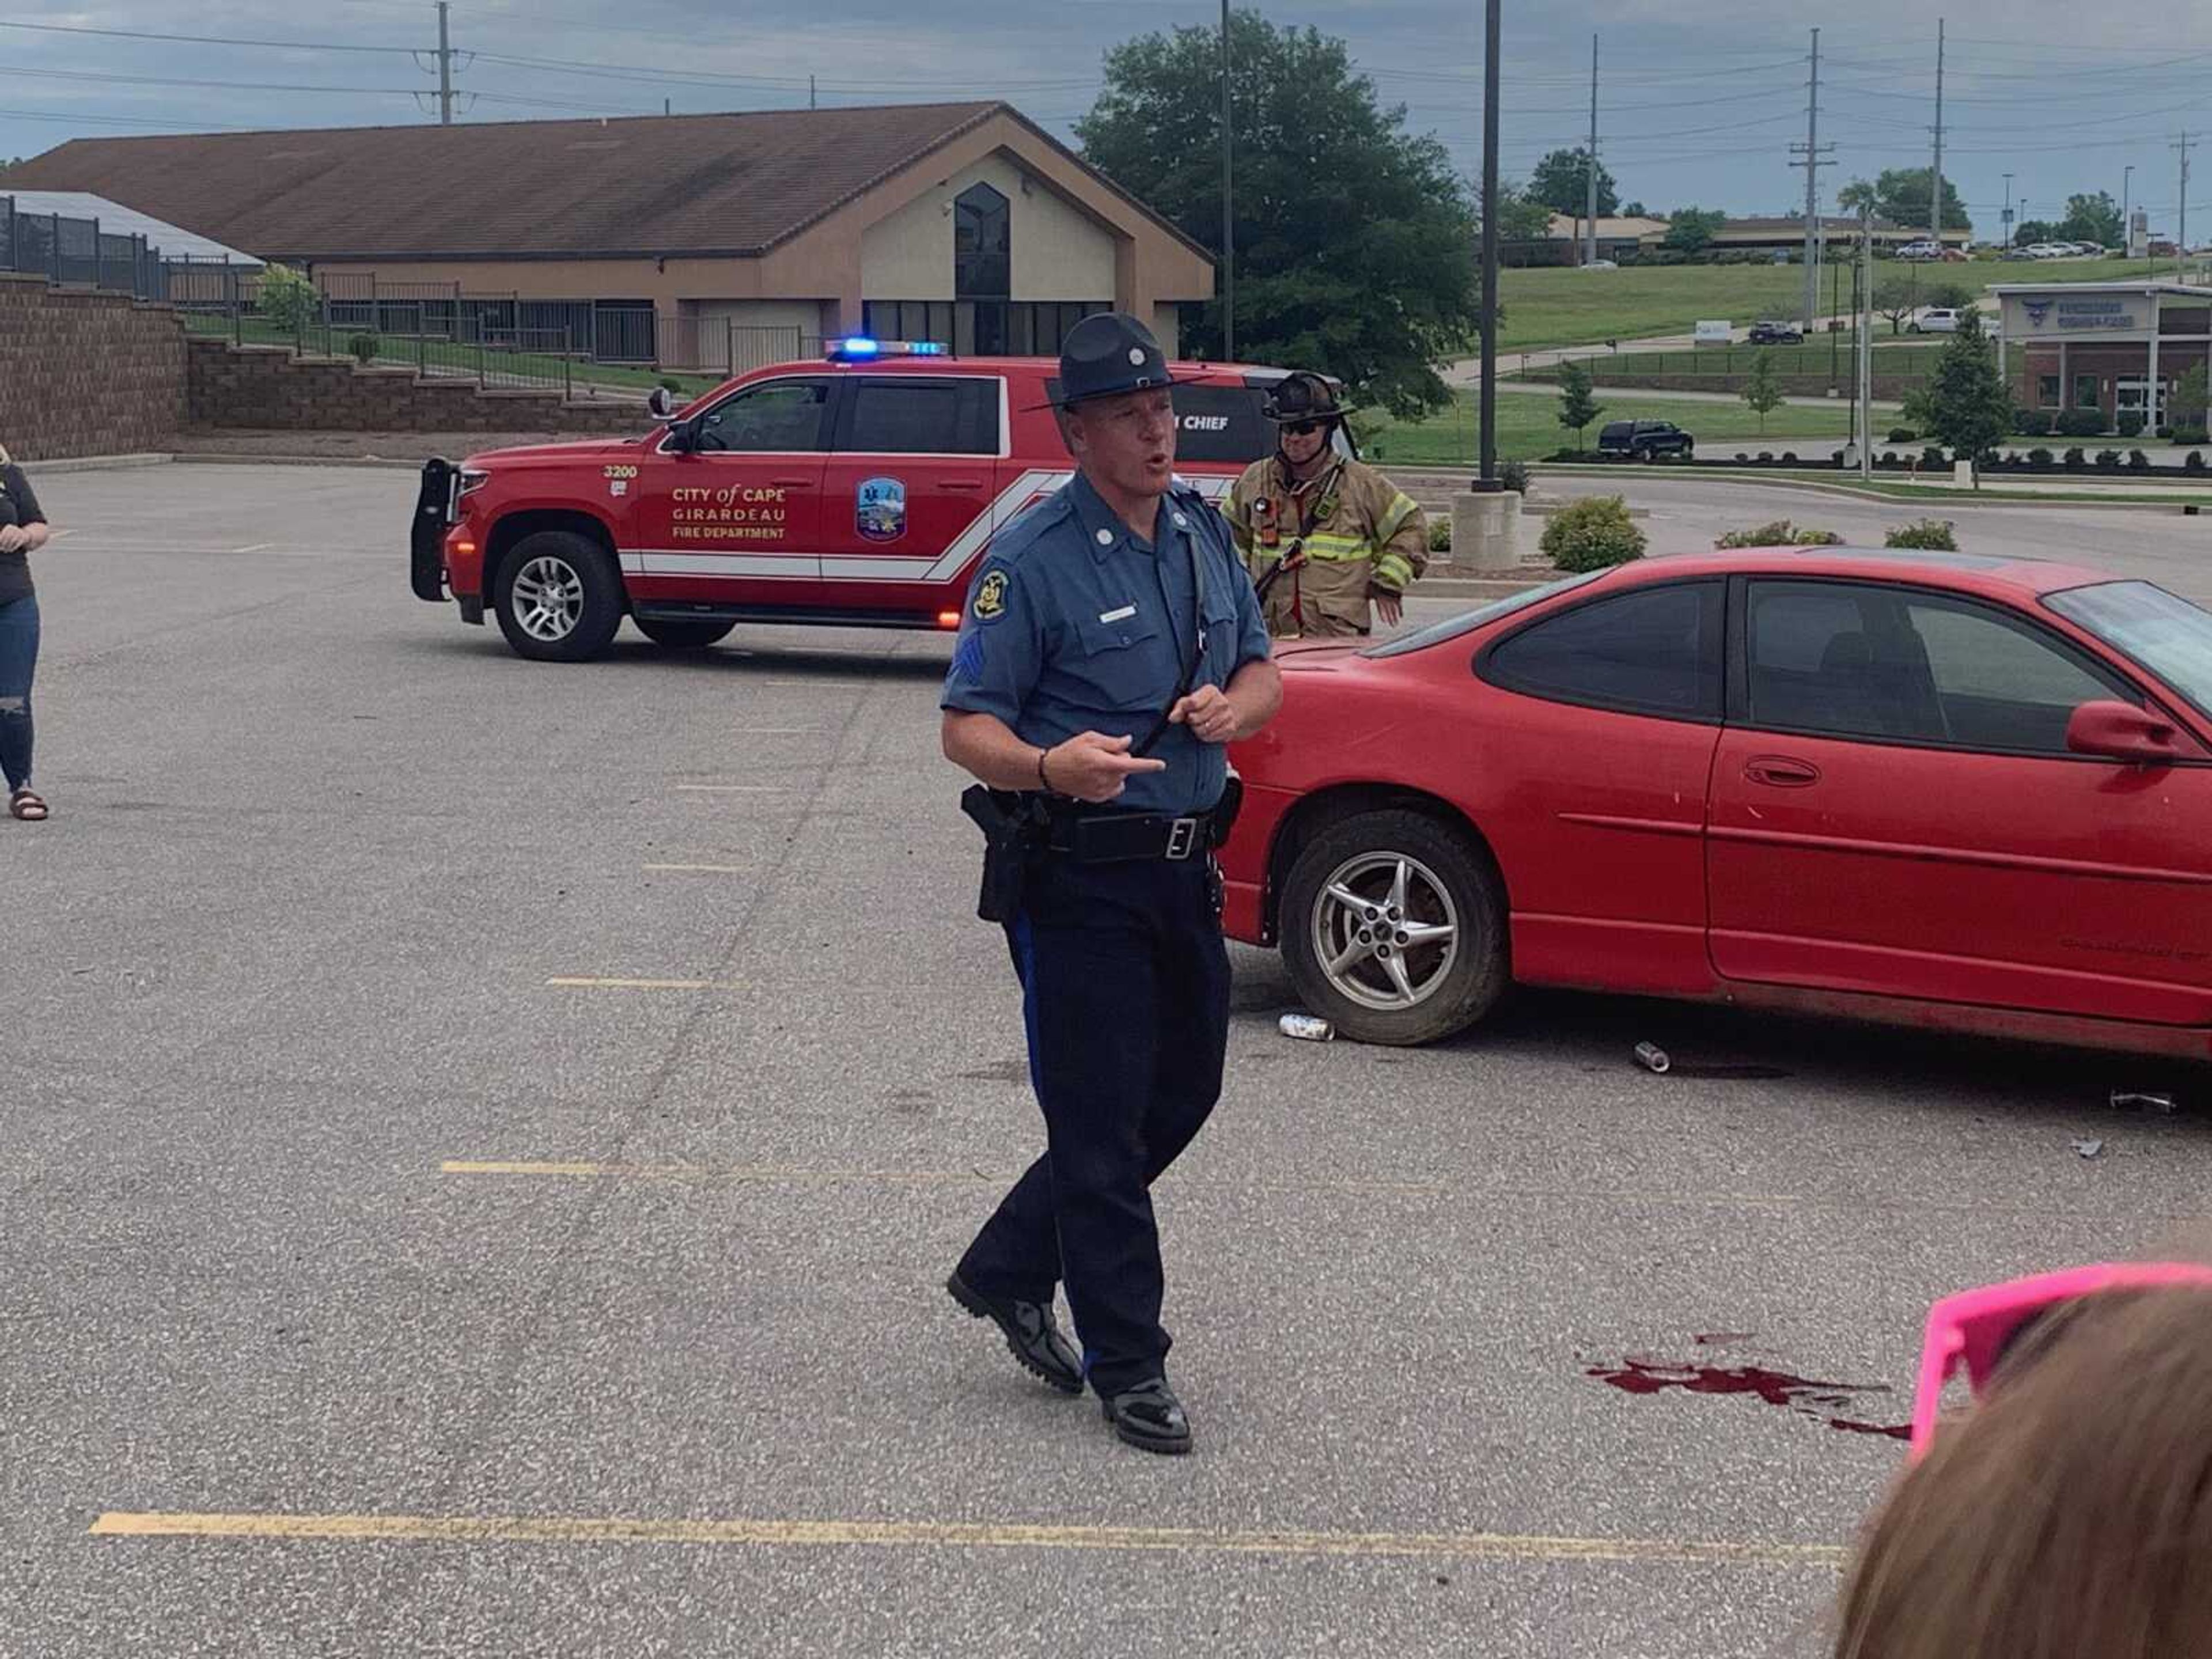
(1520,217)
(1965,405)
(2091,219)
(1901,196)
(1577,407)
(1898,297)
(1561,182)
(2186,403)
(288,299)
(2034,230)
(1690,229)
(1355,240)
(1761,391)
(1634,211)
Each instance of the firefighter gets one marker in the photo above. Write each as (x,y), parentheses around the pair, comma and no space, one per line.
(1323,535)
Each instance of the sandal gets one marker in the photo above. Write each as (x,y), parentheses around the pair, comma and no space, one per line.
(27,805)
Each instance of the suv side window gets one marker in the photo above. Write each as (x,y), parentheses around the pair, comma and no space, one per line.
(1855,660)
(916,415)
(1651,651)
(777,416)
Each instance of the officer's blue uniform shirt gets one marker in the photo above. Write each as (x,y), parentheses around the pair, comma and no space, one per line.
(1075,624)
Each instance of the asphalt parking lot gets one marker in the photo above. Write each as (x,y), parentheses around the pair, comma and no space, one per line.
(483,1143)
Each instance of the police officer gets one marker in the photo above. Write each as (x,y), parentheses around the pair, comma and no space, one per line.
(1323,535)
(1112,645)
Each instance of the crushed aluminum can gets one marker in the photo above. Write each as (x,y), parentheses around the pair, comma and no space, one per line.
(1652,1058)
(2123,1099)
(1306,1028)
(2089,1148)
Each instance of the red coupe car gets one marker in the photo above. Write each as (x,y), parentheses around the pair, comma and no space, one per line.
(1932,788)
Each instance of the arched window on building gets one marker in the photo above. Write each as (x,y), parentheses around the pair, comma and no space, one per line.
(983,266)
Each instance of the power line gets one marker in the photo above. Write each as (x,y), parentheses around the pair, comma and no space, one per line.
(204,40)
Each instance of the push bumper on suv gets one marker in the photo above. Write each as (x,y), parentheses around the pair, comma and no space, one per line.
(426,539)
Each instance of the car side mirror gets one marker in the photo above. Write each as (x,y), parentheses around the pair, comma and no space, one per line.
(658,404)
(2112,730)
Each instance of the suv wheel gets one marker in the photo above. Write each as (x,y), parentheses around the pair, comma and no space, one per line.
(559,597)
(1643,452)
(682,635)
(1394,928)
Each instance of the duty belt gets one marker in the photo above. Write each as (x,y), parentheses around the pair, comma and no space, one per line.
(1119,837)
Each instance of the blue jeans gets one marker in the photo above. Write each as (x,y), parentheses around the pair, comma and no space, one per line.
(18,661)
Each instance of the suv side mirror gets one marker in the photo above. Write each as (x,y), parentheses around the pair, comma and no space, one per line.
(658,404)
(2119,730)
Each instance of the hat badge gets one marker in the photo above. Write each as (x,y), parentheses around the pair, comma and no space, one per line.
(1137,355)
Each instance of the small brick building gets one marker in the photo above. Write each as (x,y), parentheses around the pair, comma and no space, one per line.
(2117,348)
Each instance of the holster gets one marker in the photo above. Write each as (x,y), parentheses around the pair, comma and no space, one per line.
(1226,808)
(1012,831)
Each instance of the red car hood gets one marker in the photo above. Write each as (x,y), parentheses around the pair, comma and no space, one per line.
(1316,656)
(560,454)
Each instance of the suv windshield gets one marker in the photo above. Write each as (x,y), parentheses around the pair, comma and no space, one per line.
(2150,626)
(1453,627)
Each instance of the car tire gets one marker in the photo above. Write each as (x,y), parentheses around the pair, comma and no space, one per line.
(1443,878)
(1913,328)
(559,597)
(683,635)
(1642,453)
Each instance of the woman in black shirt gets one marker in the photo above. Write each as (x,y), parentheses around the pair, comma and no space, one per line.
(22,532)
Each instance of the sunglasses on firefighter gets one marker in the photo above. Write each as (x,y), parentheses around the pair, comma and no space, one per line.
(1304,429)
(1973,1330)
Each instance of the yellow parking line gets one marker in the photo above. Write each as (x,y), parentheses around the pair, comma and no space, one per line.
(948,1534)
(581,1169)
(582,982)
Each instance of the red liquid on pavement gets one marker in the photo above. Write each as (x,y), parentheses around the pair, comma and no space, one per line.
(1805,1395)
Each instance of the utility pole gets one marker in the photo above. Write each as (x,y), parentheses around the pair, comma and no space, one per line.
(1488,440)
(2181,230)
(445,69)
(1589,172)
(2008,210)
(1935,175)
(1228,218)
(2127,237)
(1811,150)
(1865,324)
(811,104)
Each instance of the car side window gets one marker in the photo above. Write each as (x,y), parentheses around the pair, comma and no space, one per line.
(1857,661)
(780,416)
(1653,650)
(909,415)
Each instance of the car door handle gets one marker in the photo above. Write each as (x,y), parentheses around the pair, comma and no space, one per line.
(1781,772)
(791,483)
(970,485)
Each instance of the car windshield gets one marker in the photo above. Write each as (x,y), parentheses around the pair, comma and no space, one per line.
(2150,626)
(1453,627)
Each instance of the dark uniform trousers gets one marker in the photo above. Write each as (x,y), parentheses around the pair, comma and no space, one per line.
(1125,985)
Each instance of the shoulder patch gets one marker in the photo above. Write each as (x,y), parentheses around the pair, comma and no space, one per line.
(991,595)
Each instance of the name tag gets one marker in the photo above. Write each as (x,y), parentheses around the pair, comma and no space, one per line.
(1122,615)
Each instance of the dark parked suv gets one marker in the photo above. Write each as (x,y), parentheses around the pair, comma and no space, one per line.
(1775,334)
(1643,441)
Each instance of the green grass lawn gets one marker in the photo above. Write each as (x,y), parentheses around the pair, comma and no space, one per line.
(1528,427)
(1907,354)
(1564,306)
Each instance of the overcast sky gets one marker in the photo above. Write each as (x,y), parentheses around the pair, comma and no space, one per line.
(1698,101)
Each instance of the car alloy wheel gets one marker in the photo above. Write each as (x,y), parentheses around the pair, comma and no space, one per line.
(1385,931)
(548,598)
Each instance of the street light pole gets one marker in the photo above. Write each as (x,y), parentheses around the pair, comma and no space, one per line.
(1228,217)
(2127,237)
(1489,391)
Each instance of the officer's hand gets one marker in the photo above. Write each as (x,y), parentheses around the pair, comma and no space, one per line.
(1390,607)
(1210,714)
(1093,766)
(12,539)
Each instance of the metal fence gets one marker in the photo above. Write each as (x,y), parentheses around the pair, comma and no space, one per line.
(721,345)
(76,253)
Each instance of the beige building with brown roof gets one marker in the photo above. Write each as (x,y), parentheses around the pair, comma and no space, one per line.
(666,238)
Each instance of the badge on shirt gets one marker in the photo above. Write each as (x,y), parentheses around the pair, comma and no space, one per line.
(991,597)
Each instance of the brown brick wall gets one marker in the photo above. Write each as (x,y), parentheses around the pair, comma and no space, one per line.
(266,386)
(86,373)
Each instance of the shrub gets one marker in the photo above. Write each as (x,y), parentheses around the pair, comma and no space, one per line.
(1889,459)
(2138,460)
(1766,456)
(2075,457)
(1903,434)
(2130,423)
(1514,474)
(670,383)
(1592,534)
(2032,423)
(1928,535)
(1440,535)
(2081,423)
(2109,459)
(363,348)
(1934,456)
(1779,533)
(1788,457)
(2164,433)
(2193,461)
(288,299)
(2039,459)
(1741,456)
(2191,434)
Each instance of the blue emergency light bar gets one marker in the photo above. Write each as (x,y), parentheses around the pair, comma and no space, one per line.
(858,348)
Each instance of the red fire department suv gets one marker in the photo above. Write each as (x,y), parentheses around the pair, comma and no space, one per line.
(861,491)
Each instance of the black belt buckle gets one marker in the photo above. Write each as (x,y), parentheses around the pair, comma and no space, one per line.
(1183,838)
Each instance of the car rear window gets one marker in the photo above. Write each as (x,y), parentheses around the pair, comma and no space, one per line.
(909,415)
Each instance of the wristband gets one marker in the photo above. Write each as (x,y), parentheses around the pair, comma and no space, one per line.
(1042,778)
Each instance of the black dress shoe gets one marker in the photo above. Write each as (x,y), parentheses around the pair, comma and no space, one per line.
(1031,1334)
(1150,1417)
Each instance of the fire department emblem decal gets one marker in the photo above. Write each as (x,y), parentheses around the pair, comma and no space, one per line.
(880,510)
(991,597)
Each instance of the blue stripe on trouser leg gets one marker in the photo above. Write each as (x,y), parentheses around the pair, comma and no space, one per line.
(1126,1003)
(19,662)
